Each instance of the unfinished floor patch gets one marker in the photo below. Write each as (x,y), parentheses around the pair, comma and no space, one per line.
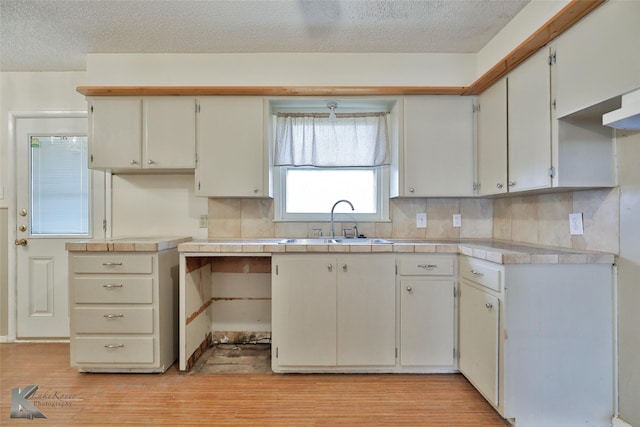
(235,359)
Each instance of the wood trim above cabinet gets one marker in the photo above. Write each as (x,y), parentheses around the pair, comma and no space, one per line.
(268,90)
(559,23)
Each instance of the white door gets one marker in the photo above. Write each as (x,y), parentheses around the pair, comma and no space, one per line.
(58,199)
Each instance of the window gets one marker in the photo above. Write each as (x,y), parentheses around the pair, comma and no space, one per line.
(59,185)
(308,194)
(319,160)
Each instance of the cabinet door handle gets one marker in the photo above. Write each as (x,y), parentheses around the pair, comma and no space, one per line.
(113,316)
(428,266)
(512,183)
(409,289)
(344,267)
(114,346)
(499,185)
(412,190)
(111,264)
(134,162)
(330,268)
(489,306)
(112,285)
(150,162)
(477,273)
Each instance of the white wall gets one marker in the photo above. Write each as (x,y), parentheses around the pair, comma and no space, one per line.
(530,18)
(272,69)
(156,205)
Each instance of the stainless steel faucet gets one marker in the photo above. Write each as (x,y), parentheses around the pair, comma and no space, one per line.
(333,234)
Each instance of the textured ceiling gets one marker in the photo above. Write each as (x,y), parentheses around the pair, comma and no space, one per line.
(55,35)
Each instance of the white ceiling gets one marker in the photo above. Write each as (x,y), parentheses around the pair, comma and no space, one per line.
(55,35)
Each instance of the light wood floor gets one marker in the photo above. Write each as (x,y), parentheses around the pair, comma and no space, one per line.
(69,398)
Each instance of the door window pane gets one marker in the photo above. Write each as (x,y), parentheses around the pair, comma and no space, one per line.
(59,185)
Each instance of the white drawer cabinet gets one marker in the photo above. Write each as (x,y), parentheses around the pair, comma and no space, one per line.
(123,311)
(426,287)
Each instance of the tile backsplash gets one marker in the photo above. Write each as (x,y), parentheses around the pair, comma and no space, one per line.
(540,219)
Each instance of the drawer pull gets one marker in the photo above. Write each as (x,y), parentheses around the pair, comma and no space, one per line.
(111,264)
(112,285)
(409,289)
(477,273)
(113,316)
(114,346)
(428,266)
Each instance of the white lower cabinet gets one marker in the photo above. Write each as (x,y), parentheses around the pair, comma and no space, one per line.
(479,334)
(426,285)
(537,340)
(333,311)
(354,313)
(123,311)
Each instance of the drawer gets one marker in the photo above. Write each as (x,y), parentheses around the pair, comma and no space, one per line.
(427,265)
(124,263)
(113,350)
(482,273)
(113,320)
(125,290)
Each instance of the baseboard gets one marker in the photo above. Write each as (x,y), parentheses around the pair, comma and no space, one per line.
(619,422)
(4,338)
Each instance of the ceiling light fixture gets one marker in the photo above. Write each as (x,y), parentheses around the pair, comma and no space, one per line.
(332,105)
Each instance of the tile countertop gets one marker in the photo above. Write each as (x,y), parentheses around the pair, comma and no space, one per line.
(126,244)
(501,252)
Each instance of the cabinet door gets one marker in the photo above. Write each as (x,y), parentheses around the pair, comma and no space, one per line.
(116,133)
(479,333)
(438,146)
(304,310)
(170,139)
(492,140)
(230,147)
(597,58)
(427,322)
(530,124)
(366,310)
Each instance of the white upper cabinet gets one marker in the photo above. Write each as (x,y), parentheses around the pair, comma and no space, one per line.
(115,128)
(438,146)
(170,140)
(598,57)
(492,140)
(529,126)
(129,134)
(231,148)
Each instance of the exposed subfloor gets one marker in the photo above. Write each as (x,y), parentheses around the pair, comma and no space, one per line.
(234,359)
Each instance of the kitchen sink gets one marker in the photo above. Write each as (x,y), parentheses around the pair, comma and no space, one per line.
(336,241)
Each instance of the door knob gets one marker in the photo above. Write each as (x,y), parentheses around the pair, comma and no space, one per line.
(23,212)
(21,242)
(22,227)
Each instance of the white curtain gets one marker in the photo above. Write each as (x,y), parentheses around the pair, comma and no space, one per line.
(348,140)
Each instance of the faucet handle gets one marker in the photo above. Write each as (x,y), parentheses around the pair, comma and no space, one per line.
(354,229)
(319,230)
